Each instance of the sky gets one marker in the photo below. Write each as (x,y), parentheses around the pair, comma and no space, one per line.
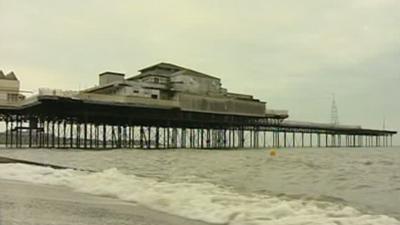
(294,55)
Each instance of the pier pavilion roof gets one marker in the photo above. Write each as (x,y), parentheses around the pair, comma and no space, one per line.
(172,71)
(11,76)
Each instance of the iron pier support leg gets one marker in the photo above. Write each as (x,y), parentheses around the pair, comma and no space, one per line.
(157,138)
(149,137)
(124,143)
(53,143)
(284,139)
(168,137)
(277,139)
(133,137)
(224,137)
(30,132)
(78,135)
(242,138)
(6,141)
(387,141)
(16,132)
(302,139)
(104,136)
(32,124)
(64,133)
(11,132)
(294,139)
(369,141)
(251,138)
(190,138)
(233,138)
(391,140)
(273,139)
(119,137)
(311,140)
(112,136)
(164,134)
(326,140)
(90,135)
(71,134)
(47,133)
(208,138)
(41,135)
(58,133)
(183,138)
(21,121)
(130,137)
(97,136)
(255,133)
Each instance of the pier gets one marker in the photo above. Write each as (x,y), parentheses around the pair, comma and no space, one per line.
(157,110)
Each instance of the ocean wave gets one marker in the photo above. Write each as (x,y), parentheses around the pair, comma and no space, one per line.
(198,201)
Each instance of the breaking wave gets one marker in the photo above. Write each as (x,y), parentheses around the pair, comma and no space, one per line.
(199,201)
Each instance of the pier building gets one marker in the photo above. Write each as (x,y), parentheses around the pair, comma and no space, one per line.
(183,88)
(165,106)
(9,88)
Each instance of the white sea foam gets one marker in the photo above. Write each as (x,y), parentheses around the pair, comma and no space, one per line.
(205,201)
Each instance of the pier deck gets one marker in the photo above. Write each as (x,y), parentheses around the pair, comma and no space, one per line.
(93,121)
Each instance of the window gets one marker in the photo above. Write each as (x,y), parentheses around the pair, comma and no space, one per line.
(12,97)
(135,91)
(154,96)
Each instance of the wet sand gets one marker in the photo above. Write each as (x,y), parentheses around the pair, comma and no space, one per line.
(12,160)
(25,204)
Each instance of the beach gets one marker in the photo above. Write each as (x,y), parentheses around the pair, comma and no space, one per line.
(239,187)
(24,203)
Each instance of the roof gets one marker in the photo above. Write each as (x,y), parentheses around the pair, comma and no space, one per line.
(164,65)
(11,76)
(173,67)
(110,85)
(113,73)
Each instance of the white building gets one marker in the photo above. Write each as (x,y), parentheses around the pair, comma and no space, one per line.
(9,88)
(191,90)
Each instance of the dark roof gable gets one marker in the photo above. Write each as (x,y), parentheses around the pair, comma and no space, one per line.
(11,76)
(163,65)
(113,73)
(168,66)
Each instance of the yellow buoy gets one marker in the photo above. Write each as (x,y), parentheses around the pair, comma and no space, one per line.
(272,152)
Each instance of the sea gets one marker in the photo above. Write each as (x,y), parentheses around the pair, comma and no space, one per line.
(298,186)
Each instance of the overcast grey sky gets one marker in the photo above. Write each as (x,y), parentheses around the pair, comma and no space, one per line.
(293,54)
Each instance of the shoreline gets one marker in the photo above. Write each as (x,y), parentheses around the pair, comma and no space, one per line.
(26,203)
